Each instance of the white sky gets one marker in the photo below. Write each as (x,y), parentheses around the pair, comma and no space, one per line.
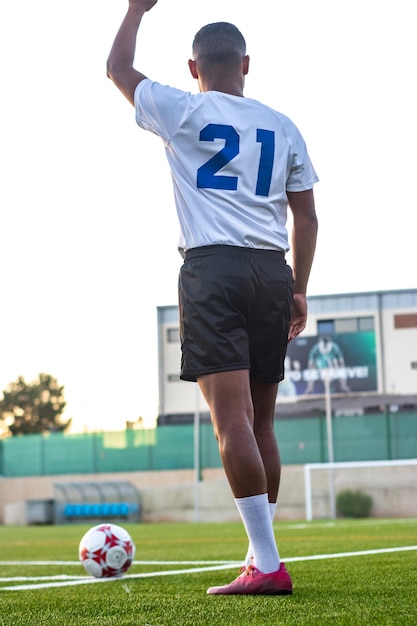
(88,229)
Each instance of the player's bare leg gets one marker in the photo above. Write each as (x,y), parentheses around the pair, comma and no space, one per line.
(228,395)
(263,399)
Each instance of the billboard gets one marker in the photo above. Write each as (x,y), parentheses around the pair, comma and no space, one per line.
(348,359)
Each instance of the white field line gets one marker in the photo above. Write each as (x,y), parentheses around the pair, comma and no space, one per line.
(5,579)
(83,580)
(71,581)
(223,562)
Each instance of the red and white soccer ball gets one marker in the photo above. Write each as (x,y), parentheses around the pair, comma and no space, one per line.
(106,551)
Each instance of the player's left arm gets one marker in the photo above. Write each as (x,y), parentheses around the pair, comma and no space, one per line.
(120,61)
(304,237)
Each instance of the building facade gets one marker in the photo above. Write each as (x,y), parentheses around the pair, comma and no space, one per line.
(363,344)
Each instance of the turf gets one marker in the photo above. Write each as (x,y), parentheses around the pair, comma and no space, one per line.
(370,589)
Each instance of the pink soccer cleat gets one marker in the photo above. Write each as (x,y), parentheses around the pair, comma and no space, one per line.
(252,582)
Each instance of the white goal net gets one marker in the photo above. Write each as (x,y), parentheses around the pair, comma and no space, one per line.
(392,485)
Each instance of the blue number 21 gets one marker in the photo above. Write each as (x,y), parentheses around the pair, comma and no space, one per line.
(206,174)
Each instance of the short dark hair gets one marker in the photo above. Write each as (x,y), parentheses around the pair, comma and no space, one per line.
(219,43)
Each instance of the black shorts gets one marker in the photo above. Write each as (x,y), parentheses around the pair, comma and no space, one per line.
(235,308)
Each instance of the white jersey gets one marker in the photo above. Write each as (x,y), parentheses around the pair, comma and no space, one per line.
(232,162)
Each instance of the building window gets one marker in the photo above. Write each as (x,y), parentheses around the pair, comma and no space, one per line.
(345,325)
(366,323)
(173,335)
(325,327)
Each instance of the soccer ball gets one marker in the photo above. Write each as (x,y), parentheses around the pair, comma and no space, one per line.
(106,551)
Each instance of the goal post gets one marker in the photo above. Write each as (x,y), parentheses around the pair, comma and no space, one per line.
(389,485)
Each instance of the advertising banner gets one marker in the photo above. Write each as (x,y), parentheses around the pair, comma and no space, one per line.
(348,359)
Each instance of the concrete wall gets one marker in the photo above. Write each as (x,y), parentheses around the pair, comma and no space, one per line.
(174,496)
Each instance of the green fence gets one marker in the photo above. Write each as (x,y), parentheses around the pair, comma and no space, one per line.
(302,440)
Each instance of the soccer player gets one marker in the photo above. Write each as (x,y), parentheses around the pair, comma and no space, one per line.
(327,355)
(236,166)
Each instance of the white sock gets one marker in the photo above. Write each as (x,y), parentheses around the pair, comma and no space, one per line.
(256,517)
(249,554)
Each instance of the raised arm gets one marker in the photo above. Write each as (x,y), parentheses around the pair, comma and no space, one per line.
(304,236)
(120,61)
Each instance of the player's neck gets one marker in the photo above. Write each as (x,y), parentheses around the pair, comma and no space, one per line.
(222,84)
(223,89)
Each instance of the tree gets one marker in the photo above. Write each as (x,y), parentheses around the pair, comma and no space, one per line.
(34,407)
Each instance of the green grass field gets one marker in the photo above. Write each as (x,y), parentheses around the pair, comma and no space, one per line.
(375,585)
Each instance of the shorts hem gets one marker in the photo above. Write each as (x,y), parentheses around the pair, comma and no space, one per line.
(265,378)
(192,375)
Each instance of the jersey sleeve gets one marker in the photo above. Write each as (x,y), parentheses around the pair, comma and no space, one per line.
(302,175)
(160,109)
